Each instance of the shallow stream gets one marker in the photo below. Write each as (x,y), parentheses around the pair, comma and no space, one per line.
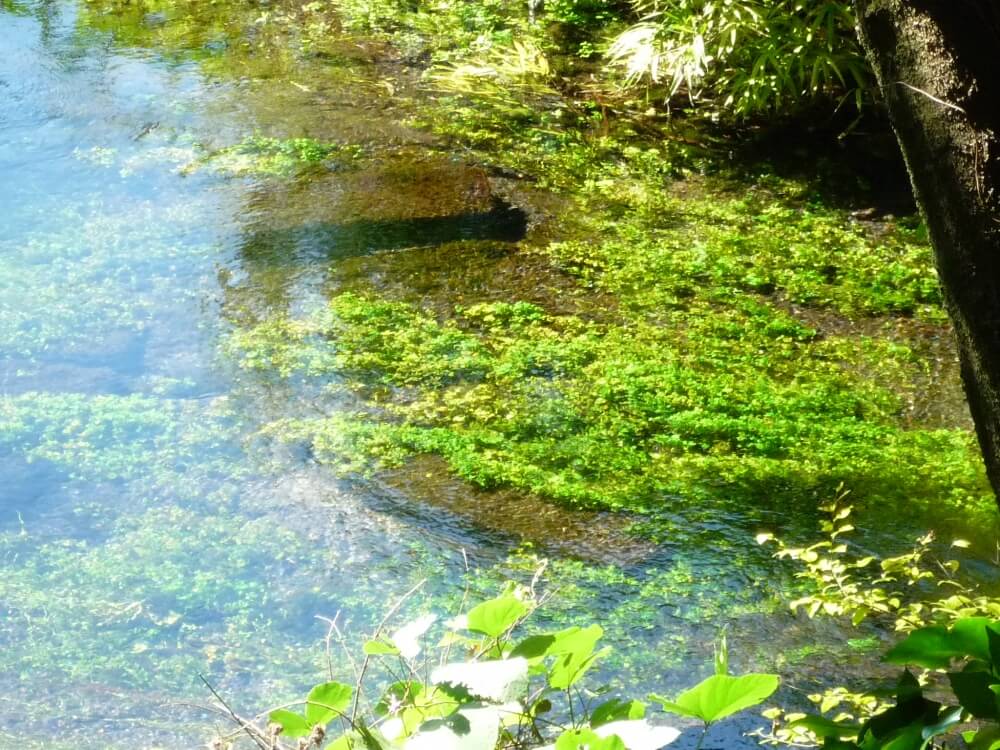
(147,536)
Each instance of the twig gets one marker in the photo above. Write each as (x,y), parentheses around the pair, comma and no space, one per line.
(378,632)
(933,98)
(465,597)
(232,714)
(334,628)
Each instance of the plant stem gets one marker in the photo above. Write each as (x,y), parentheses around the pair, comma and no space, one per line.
(704,734)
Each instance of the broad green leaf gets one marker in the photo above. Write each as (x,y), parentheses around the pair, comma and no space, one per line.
(495,617)
(987,738)
(534,646)
(379,648)
(575,649)
(993,640)
(945,722)
(586,739)
(402,693)
(570,669)
(327,701)
(478,729)
(719,696)
(292,724)
(499,680)
(934,647)
(973,691)
(346,742)
(639,734)
(617,710)
(410,705)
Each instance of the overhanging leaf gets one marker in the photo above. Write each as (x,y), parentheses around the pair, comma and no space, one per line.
(472,729)
(823,727)
(973,691)
(639,734)
(934,647)
(495,617)
(326,702)
(720,696)
(499,680)
(407,638)
(292,724)
(617,710)
(586,739)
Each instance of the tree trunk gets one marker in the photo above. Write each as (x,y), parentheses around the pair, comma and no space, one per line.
(938,65)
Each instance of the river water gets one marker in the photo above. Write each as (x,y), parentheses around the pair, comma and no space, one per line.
(147,537)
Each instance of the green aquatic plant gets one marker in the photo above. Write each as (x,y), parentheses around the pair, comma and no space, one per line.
(260,155)
(104,438)
(598,414)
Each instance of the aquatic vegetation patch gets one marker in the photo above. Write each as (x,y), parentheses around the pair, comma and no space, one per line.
(281,157)
(699,401)
(131,608)
(101,438)
(772,243)
(72,283)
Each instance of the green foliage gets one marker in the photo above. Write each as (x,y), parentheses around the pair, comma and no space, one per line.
(325,702)
(509,692)
(930,715)
(749,57)
(584,14)
(721,695)
(906,589)
(946,622)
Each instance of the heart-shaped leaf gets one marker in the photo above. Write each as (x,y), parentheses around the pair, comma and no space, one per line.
(326,702)
(495,617)
(720,696)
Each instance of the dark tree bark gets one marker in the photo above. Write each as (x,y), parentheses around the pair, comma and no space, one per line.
(938,65)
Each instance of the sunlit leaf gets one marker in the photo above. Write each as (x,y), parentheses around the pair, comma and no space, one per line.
(617,710)
(471,729)
(720,696)
(500,680)
(495,617)
(587,739)
(292,724)
(638,734)
(327,701)
(407,638)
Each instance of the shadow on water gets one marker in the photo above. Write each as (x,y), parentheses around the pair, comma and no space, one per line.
(310,243)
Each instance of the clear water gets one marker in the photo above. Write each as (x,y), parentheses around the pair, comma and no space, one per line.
(147,537)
